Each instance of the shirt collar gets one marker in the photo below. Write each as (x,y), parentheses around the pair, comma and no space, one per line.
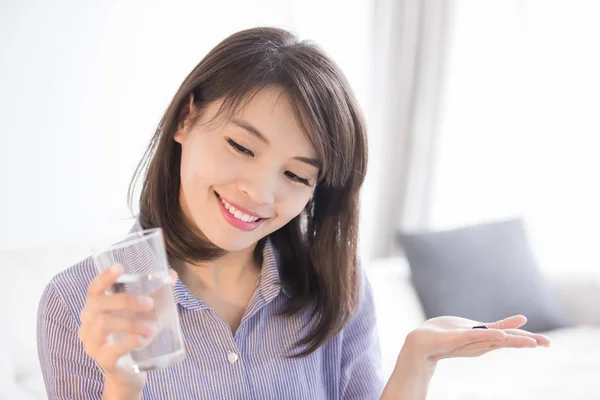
(137,226)
(269,282)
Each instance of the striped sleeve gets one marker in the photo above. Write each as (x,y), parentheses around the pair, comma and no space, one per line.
(361,376)
(68,372)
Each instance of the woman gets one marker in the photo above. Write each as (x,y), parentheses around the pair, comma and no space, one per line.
(254,175)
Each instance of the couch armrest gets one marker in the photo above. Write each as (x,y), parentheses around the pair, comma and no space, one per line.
(579,295)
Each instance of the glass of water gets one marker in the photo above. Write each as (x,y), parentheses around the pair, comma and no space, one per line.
(146,273)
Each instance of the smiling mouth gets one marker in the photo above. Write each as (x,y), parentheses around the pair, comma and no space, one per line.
(238,214)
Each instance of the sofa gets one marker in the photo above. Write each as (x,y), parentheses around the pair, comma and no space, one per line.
(570,369)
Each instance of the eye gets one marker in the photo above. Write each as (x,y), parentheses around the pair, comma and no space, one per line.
(296,178)
(239,148)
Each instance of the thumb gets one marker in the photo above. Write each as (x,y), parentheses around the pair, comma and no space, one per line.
(173,275)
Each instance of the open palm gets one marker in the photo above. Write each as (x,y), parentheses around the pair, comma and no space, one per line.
(446,337)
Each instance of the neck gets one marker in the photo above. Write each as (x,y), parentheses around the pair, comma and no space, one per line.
(227,272)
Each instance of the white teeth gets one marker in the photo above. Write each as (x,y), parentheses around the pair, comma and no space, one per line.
(238,214)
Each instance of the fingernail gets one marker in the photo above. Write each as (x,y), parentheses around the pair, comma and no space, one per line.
(148,328)
(116,269)
(146,302)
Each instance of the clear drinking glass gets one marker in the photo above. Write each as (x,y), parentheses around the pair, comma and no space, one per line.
(146,272)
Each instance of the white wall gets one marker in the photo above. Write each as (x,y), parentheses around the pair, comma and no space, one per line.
(84,83)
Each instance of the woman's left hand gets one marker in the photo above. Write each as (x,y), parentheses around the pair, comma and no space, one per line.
(447,337)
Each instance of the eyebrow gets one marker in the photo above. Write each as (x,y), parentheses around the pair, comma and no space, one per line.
(251,129)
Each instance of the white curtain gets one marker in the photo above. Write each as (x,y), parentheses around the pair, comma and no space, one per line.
(519,125)
(409,42)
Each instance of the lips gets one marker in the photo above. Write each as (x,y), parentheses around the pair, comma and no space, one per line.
(237,223)
(234,208)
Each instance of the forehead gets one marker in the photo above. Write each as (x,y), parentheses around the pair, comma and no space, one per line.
(271,112)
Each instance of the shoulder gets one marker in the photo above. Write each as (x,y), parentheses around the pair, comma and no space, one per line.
(69,287)
(364,312)
(362,324)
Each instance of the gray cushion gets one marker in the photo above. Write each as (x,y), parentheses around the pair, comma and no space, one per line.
(484,272)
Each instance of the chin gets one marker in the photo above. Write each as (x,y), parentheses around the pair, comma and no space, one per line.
(230,239)
(230,245)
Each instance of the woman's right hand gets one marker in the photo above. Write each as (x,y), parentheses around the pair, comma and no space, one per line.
(105,314)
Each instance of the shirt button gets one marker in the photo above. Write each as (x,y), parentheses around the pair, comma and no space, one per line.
(232,357)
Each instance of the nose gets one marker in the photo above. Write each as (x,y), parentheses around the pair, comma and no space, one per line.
(260,186)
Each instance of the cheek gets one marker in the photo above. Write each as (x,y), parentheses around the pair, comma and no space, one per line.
(193,170)
(205,164)
(292,205)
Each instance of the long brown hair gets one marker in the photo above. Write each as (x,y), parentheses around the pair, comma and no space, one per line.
(317,249)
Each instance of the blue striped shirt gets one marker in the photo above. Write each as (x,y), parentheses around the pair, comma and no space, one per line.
(252,364)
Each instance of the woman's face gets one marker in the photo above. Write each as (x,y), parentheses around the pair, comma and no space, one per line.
(247,177)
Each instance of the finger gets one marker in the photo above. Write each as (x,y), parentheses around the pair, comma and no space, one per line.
(542,340)
(95,337)
(110,323)
(109,354)
(104,280)
(519,341)
(480,348)
(513,322)
(97,306)
(463,338)
(475,349)
(107,324)
(173,275)
(83,334)
(123,302)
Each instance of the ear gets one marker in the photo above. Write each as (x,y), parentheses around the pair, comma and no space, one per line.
(185,117)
